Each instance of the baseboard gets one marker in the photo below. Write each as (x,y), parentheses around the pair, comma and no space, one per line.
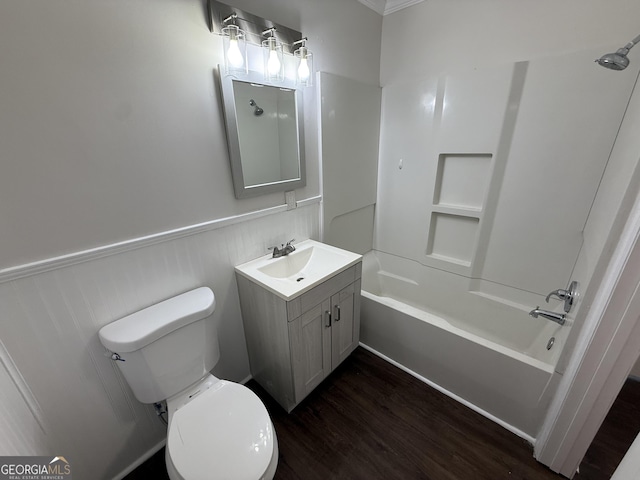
(457,398)
(146,456)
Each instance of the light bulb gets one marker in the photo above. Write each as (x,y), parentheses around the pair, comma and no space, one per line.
(303,70)
(273,64)
(234,54)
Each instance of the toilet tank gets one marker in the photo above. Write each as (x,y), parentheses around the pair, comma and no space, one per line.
(166,347)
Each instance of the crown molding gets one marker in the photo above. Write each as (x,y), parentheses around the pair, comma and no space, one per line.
(395,5)
(375,5)
(385,7)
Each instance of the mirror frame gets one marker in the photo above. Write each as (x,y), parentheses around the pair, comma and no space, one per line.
(233,140)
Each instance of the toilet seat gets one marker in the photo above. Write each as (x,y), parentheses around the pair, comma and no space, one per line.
(224,432)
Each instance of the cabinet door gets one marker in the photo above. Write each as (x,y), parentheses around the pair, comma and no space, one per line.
(310,342)
(345,328)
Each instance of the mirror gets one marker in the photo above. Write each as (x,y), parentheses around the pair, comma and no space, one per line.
(264,134)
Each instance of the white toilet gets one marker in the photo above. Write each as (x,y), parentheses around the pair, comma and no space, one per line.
(217,429)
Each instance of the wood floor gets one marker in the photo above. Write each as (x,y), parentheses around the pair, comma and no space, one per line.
(370,420)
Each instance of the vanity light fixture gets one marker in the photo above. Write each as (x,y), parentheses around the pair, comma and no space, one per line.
(235,47)
(240,29)
(304,72)
(272,53)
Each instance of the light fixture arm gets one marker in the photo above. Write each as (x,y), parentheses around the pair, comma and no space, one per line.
(302,42)
(268,31)
(233,16)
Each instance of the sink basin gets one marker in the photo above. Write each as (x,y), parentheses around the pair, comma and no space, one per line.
(309,265)
(288,266)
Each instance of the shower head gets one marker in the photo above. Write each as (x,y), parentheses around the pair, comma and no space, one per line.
(615,61)
(618,60)
(258,111)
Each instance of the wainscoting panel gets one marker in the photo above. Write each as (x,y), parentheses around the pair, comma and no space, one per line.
(49,328)
(21,420)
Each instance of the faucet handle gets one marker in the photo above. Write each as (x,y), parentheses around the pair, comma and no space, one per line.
(289,248)
(560,293)
(569,296)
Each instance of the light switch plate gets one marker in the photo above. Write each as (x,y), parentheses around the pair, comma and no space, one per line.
(290,199)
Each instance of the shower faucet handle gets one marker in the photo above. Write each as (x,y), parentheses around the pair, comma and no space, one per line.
(569,296)
(560,293)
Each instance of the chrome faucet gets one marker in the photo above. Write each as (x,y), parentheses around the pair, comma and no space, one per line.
(553,316)
(284,251)
(568,296)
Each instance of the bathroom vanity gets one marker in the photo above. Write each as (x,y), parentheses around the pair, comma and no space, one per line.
(301,315)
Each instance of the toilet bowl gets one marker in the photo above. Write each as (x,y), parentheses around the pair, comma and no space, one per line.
(217,429)
(223,431)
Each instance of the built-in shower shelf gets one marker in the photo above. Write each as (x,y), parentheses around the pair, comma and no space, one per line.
(457,210)
(462,179)
(455,261)
(460,191)
(452,238)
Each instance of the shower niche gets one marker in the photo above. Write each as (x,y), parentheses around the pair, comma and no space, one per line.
(461,188)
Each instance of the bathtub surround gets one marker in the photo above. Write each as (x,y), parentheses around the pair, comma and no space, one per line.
(492,199)
(349,138)
(501,188)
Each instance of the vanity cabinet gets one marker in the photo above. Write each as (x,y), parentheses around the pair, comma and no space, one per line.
(294,344)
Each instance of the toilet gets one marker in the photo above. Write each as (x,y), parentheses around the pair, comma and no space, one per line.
(216,428)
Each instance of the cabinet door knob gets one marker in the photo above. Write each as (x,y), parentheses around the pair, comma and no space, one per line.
(337,314)
(327,319)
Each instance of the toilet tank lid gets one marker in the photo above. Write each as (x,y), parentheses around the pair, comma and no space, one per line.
(141,328)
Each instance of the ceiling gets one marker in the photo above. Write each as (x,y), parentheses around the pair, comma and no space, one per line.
(385,7)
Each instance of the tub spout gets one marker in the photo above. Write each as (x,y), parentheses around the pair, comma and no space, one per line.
(553,316)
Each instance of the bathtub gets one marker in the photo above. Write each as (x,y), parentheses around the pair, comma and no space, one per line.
(485,352)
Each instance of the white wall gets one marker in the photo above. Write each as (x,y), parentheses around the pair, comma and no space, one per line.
(110,130)
(110,123)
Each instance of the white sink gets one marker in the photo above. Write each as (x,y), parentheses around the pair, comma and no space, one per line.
(289,266)
(309,265)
